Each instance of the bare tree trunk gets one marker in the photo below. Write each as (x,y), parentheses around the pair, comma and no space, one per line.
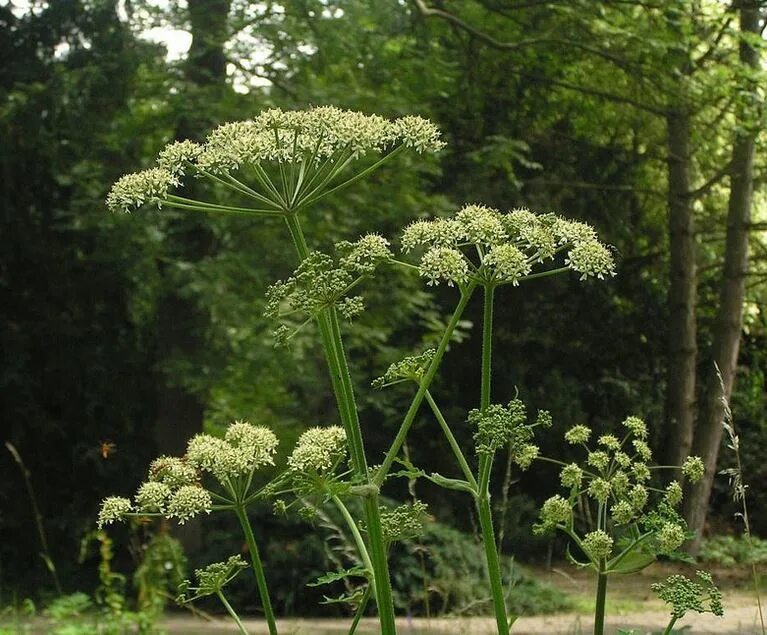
(682,346)
(729,315)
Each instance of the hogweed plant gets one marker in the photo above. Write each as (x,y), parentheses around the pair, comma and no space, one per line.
(279,165)
(631,522)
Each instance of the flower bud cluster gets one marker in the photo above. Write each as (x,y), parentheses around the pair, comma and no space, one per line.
(411,368)
(509,245)
(615,475)
(322,281)
(211,579)
(500,426)
(684,594)
(404,522)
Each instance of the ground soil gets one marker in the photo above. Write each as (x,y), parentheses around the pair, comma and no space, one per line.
(631,606)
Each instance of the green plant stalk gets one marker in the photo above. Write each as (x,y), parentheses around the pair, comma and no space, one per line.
(670,627)
(356,535)
(415,404)
(599,608)
(258,568)
(231,612)
(452,441)
(343,389)
(485,466)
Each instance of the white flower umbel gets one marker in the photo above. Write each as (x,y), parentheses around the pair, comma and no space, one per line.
(282,159)
(318,450)
(189,501)
(113,509)
(495,248)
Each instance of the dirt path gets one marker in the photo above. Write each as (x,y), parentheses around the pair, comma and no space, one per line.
(738,620)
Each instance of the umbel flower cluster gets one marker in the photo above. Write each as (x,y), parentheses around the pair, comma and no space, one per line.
(174,486)
(684,594)
(616,477)
(211,580)
(322,140)
(482,244)
(322,281)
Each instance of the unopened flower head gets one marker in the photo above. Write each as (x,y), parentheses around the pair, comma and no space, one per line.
(556,511)
(525,455)
(113,509)
(636,426)
(640,471)
(404,522)
(673,493)
(318,450)
(498,426)
(187,502)
(577,434)
(637,495)
(598,459)
(684,594)
(622,513)
(609,441)
(134,190)
(172,471)
(619,482)
(410,368)
(364,255)
(599,489)
(598,544)
(152,496)
(670,537)
(571,475)
(642,449)
(418,133)
(693,468)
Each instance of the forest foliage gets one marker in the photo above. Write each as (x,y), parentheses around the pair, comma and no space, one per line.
(135,330)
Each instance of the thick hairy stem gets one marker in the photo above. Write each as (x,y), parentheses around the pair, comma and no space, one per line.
(344,393)
(258,568)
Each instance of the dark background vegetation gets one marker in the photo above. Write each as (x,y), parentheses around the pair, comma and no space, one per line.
(142,329)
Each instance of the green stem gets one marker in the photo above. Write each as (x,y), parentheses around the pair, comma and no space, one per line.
(231,612)
(599,609)
(356,534)
(452,441)
(309,200)
(415,404)
(342,387)
(485,467)
(360,611)
(670,627)
(493,564)
(258,568)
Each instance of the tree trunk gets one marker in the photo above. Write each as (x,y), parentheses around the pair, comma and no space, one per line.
(729,315)
(682,351)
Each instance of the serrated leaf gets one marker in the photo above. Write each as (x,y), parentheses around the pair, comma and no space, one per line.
(335,576)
